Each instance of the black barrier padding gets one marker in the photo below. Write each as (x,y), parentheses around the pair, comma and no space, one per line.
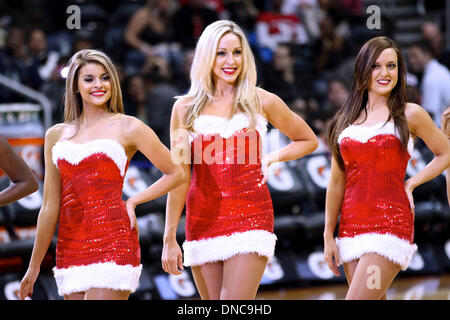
(312,268)
(47,282)
(22,248)
(146,289)
(442,254)
(307,169)
(424,262)
(286,227)
(311,227)
(24,212)
(170,287)
(280,271)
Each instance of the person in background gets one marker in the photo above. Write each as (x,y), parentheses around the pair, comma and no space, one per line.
(46,59)
(371,139)
(435,79)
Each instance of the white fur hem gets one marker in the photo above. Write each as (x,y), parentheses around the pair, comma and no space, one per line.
(198,252)
(98,275)
(393,248)
(74,152)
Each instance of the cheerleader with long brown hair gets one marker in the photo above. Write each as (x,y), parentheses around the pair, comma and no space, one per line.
(371,138)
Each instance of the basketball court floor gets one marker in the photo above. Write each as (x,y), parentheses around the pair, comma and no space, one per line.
(413,288)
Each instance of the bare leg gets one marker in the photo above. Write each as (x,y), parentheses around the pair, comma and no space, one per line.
(241,276)
(74,296)
(208,280)
(349,269)
(372,277)
(106,294)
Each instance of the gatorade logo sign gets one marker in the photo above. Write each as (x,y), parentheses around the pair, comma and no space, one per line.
(280,178)
(182,284)
(133,183)
(11,291)
(273,270)
(319,170)
(318,266)
(415,164)
(447,248)
(32,201)
(417,262)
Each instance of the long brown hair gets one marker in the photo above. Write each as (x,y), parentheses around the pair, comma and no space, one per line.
(356,101)
(73,106)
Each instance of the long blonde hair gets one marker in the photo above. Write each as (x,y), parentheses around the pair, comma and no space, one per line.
(202,85)
(73,106)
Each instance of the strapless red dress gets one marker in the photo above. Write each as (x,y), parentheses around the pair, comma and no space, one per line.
(96,247)
(228,210)
(375,212)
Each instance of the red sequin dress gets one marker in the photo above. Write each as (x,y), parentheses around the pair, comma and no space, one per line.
(96,247)
(375,212)
(228,210)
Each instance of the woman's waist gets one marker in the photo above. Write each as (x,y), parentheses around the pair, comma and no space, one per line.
(92,201)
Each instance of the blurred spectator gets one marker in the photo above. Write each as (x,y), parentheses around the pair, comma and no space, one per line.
(412,94)
(274,27)
(243,12)
(311,12)
(160,102)
(149,31)
(189,21)
(181,79)
(46,59)
(435,79)
(135,97)
(17,64)
(283,78)
(160,64)
(83,40)
(337,92)
(431,32)
(331,48)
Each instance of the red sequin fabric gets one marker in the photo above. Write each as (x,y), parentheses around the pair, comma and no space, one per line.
(226,196)
(93,225)
(228,210)
(375,200)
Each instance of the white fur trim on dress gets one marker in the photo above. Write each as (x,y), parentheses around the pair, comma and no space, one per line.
(74,152)
(363,134)
(393,248)
(108,275)
(198,252)
(209,125)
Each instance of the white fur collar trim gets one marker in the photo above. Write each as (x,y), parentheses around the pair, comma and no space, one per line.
(209,125)
(74,152)
(363,134)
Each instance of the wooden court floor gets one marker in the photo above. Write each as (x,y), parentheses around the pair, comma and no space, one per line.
(414,288)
